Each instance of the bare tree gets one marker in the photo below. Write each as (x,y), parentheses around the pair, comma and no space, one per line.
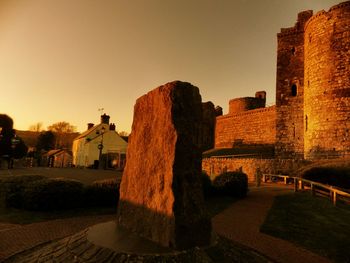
(123,133)
(37,127)
(62,130)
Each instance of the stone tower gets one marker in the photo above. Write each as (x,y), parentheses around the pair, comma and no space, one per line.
(290,89)
(327,83)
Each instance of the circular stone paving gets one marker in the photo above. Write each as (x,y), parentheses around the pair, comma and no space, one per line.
(107,243)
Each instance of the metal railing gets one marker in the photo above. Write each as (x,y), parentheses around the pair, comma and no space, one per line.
(316,188)
(231,156)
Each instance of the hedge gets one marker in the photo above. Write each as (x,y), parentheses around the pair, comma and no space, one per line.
(335,176)
(40,193)
(12,188)
(53,194)
(102,193)
(234,184)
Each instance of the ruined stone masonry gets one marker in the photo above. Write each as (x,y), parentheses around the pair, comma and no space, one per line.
(311,118)
(161,197)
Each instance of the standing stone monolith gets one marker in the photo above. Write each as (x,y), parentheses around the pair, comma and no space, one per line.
(208,125)
(161,196)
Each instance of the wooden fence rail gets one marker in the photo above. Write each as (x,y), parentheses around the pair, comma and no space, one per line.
(316,188)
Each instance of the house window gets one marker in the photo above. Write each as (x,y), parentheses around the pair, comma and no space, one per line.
(294,90)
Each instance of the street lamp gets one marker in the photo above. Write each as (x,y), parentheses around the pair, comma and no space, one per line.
(14,142)
(100,147)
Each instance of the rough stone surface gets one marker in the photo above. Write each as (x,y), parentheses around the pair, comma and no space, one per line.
(327,83)
(290,89)
(160,195)
(243,104)
(256,126)
(312,113)
(208,129)
(216,166)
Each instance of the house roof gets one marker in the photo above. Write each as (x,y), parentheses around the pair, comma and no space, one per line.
(53,152)
(90,131)
(56,151)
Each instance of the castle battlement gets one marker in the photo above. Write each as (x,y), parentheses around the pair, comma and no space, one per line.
(312,112)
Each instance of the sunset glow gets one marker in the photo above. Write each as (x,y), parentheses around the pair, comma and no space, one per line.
(63,60)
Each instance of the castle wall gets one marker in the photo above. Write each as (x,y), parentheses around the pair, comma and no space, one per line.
(290,90)
(244,104)
(327,78)
(216,166)
(251,127)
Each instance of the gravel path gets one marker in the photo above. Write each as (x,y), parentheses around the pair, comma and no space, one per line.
(242,220)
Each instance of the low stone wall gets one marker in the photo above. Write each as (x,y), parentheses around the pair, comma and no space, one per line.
(216,166)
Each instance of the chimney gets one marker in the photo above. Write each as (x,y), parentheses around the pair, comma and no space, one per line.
(90,125)
(105,119)
(112,127)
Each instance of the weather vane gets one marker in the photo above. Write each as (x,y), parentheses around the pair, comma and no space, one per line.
(101,110)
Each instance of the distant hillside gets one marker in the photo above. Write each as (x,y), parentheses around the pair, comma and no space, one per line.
(30,138)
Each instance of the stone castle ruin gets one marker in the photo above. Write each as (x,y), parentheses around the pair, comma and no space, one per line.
(311,118)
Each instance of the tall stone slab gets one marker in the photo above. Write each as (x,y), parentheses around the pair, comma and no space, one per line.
(160,194)
(208,122)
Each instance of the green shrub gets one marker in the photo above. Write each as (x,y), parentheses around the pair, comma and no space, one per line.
(39,193)
(206,185)
(234,184)
(102,193)
(12,188)
(53,194)
(335,176)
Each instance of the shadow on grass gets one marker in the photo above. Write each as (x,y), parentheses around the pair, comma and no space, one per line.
(217,204)
(311,222)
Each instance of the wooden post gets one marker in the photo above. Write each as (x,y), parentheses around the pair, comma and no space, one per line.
(295,184)
(334,198)
(301,185)
(312,189)
(285,179)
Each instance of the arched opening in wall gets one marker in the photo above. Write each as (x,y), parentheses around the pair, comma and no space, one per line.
(293,50)
(306,122)
(294,90)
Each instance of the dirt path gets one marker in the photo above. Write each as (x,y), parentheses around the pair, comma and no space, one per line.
(242,220)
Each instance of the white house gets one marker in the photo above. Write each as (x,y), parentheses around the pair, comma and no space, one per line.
(99,146)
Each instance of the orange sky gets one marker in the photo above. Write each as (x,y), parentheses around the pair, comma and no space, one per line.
(61,60)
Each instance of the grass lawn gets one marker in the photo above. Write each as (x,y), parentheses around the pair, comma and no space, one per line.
(217,204)
(311,222)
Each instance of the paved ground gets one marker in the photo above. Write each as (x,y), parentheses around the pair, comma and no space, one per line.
(17,238)
(240,223)
(86,176)
(242,220)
